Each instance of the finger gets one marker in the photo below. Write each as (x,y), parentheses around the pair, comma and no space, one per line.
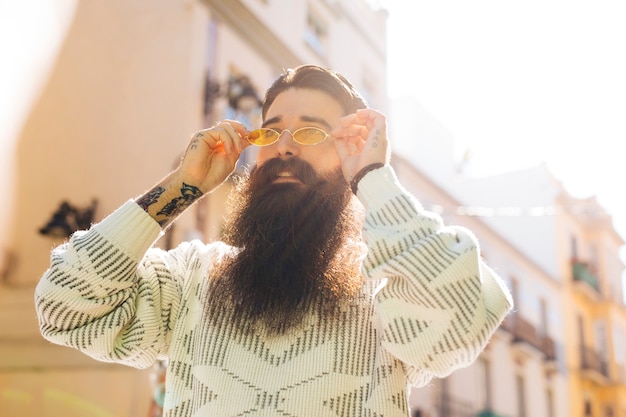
(353,133)
(369,114)
(353,119)
(344,148)
(227,136)
(238,134)
(348,120)
(231,139)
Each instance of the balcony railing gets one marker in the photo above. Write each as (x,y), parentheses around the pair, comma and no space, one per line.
(582,273)
(524,332)
(451,406)
(488,413)
(592,361)
(549,348)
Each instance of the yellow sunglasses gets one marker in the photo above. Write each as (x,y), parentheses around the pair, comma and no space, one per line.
(303,136)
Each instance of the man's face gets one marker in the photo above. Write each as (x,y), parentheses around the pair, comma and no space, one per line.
(292,110)
(294,222)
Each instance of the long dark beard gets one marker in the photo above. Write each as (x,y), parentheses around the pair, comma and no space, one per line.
(299,245)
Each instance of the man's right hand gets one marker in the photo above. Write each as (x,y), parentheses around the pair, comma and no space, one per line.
(212,155)
(210,158)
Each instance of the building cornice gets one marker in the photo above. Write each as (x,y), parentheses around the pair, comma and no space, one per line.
(237,16)
(372,38)
(403,162)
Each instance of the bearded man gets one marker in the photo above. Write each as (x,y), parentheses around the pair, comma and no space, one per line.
(332,292)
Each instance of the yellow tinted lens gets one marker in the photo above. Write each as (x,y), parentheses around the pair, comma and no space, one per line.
(262,137)
(309,135)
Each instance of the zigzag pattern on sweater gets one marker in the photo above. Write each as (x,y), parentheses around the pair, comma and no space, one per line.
(427,307)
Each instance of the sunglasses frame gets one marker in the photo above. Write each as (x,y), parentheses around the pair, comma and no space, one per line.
(293,135)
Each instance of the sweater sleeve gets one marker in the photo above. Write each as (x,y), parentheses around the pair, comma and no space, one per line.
(439,303)
(107,294)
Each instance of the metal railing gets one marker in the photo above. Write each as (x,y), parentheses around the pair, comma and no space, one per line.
(524,332)
(591,360)
(582,273)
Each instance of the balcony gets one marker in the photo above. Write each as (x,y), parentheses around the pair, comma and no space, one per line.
(525,333)
(593,365)
(549,349)
(455,408)
(583,274)
(488,413)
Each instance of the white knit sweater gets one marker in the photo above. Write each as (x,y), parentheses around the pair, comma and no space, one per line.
(428,307)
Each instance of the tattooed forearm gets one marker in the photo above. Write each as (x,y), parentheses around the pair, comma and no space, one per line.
(189,194)
(150,197)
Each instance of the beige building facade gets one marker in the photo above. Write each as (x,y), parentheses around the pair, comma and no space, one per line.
(596,311)
(99,106)
(116,99)
(562,350)
(575,242)
(522,370)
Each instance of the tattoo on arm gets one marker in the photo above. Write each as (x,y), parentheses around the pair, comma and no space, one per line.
(376,138)
(150,197)
(189,194)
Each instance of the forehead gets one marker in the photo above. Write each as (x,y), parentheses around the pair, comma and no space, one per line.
(301,104)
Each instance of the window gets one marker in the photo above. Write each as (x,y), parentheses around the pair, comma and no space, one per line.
(619,347)
(368,87)
(574,247)
(588,410)
(550,402)
(521,396)
(316,33)
(244,105)
(593,259)
(581,331)
(601,339)
(543,306)
(608,411)
(515,293)
(484,380)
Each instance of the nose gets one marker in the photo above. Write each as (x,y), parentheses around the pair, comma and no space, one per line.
(286,145)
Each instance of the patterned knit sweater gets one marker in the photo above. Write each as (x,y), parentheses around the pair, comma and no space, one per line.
(428,307)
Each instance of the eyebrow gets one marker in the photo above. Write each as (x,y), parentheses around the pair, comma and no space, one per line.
(312,119)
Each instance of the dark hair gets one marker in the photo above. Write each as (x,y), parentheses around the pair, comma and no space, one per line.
(316,78)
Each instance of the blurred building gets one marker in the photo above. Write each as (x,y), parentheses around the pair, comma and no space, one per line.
(102,105)
(595,314)
(102,100)
(562,351)
(522,370)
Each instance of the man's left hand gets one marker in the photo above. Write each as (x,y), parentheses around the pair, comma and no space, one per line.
(361,140)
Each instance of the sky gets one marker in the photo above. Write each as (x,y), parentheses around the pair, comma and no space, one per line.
(517,82)
(522,83)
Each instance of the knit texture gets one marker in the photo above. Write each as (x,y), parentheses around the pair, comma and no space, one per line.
(428,307)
